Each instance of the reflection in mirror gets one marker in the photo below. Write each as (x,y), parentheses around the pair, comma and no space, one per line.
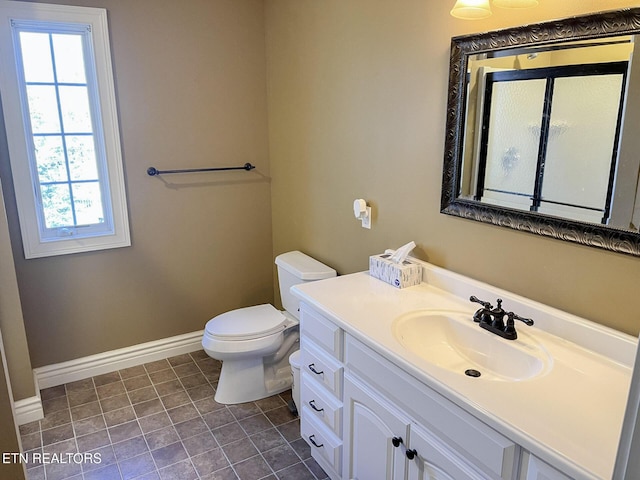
(542,136)
(543,127)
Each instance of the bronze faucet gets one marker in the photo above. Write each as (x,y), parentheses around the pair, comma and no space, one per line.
(492,319)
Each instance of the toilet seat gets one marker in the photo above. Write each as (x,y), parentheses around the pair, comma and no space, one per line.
(247,323)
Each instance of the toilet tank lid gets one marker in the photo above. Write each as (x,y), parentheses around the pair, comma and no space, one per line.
(303,266)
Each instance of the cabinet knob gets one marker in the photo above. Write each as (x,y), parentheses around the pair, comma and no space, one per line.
(411,454)
(396,441)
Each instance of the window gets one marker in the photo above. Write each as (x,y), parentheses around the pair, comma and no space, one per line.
(64,147)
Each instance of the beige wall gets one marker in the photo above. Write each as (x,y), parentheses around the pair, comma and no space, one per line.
(357,97)
(11,320)
(9,440)
(190,84)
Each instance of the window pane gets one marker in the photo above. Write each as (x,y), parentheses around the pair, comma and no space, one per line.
(56,203)
(36,57)
(69,58)
(88,203)
(82,157)
(43,109)
(74,103)
(50,159)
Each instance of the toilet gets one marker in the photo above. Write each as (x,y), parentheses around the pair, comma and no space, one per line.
(254,343)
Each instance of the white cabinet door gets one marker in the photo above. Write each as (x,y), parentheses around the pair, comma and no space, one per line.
(372,431)
(433,460)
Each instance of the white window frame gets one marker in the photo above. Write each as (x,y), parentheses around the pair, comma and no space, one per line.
(70,240)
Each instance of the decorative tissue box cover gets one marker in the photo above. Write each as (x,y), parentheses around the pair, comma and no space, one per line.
(400,276)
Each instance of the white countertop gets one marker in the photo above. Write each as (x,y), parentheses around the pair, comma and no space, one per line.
(571,416)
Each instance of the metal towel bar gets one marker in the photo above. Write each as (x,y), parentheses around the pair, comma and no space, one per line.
(152,171)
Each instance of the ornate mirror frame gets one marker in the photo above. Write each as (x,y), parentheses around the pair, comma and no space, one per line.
(598,25)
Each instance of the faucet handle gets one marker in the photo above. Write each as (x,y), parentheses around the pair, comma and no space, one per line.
(483,314)
(526,321)
(475,299)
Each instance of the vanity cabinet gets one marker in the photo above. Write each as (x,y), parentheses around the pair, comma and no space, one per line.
(380,364)
(365,418)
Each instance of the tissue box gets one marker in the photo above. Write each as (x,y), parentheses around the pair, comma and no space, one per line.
(402,275)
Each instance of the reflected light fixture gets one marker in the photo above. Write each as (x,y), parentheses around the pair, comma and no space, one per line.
(471,9)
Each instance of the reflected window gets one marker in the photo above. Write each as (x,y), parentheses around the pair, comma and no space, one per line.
(549,139)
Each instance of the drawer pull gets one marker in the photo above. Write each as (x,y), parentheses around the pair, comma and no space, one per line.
(314,442)
(312,404)
(312,367)
(396,441)
(411,454)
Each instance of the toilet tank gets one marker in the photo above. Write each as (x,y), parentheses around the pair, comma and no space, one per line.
(295,268)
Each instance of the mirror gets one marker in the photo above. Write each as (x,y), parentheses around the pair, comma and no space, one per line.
(542,129)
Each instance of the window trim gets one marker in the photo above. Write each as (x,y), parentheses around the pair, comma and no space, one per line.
(18,137)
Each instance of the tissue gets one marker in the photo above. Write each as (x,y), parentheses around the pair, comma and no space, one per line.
(393,267)
(401,254)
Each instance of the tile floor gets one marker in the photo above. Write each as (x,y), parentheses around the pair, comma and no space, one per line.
(160,421)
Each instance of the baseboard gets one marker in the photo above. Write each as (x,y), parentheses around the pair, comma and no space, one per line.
(86,367)
(28,409)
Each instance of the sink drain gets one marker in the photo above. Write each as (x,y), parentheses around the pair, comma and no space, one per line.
(472,373)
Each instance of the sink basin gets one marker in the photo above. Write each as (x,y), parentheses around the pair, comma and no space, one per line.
(453,341)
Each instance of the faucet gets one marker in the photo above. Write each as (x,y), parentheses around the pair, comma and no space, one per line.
(492,319)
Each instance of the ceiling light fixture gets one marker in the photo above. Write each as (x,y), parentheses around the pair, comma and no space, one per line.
(479,9)
(471,9)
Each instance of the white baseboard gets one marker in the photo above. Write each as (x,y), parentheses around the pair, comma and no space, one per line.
(28,409)
(86,367)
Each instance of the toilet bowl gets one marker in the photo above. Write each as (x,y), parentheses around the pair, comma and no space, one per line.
(254,343)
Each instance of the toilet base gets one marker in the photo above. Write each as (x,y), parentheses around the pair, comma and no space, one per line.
(245,380)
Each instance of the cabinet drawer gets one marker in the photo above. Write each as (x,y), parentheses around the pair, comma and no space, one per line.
(324,332)
(326,448)
(322,368)
(321,404)
(485,448)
